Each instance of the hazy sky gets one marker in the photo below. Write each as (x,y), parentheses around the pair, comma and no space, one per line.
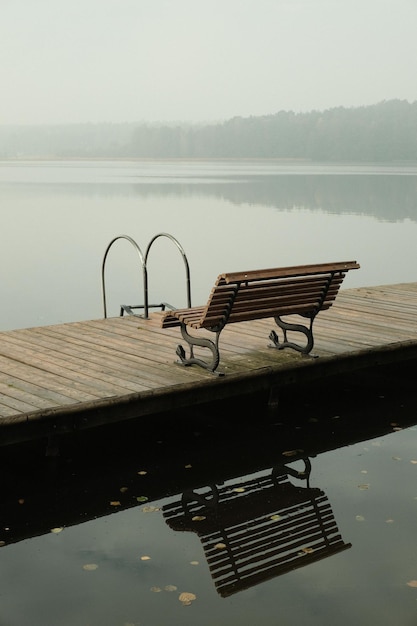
(65,61)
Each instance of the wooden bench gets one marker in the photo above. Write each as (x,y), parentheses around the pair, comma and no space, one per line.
(256,530)
(243,296)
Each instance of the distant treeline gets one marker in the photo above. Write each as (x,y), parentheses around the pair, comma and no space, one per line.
(386,131)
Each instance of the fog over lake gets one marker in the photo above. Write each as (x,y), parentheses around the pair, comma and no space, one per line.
(58,218)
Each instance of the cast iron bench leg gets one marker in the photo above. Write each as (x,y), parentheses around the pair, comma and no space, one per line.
(213,346)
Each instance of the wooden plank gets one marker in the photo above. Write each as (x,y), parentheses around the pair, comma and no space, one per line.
(74,369)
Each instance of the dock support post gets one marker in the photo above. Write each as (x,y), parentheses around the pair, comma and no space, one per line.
(273,398)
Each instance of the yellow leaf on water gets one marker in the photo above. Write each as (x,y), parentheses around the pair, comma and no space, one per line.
(150,509)
(186,598)
(145,558)
(412,583)
(194,563)
(220,546)
(239,489)
(142,473)
(115,503)
(307,550)
(198,518)
(364,487)
(57,530)
(413,462)
(142,499)
(90,567)
(170,588)
(156,589)
(292,452)
(275,517)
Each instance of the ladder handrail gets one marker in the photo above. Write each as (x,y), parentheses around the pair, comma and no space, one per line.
(184,257)
(144,261)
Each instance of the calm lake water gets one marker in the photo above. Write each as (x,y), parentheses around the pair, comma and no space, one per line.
(59,217)
(93,540)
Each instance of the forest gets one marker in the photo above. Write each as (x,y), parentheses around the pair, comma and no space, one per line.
(383,132)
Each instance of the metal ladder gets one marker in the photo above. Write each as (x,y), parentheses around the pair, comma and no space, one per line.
(129,309)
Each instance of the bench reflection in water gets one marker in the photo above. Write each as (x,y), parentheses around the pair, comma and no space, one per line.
(255,530)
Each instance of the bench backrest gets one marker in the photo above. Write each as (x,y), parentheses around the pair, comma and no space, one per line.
(303,289)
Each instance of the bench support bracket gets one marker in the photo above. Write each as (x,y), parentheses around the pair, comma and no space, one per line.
(298,328)
(203,342)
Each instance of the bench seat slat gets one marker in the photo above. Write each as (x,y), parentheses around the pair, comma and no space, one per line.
(264,298)
(295,270)
(290,282)
(277,292)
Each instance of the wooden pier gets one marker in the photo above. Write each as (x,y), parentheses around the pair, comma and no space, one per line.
(61,378)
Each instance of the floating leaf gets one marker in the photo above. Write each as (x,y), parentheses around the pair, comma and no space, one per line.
(389,521)
(198,518)
(239,489)
(57,530)
(360,518)
(364,486)
(2,544)
(90,567)
(142,498)
(115,503)
(292,452)
(396,458)
(220,546)
(364,471)
(412,583)
(307,550)
(188,466)
(145,558)
(276,517)
(156,589)
(142,473)
(186,598)
(170,588)
(194,563)
(413,462)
